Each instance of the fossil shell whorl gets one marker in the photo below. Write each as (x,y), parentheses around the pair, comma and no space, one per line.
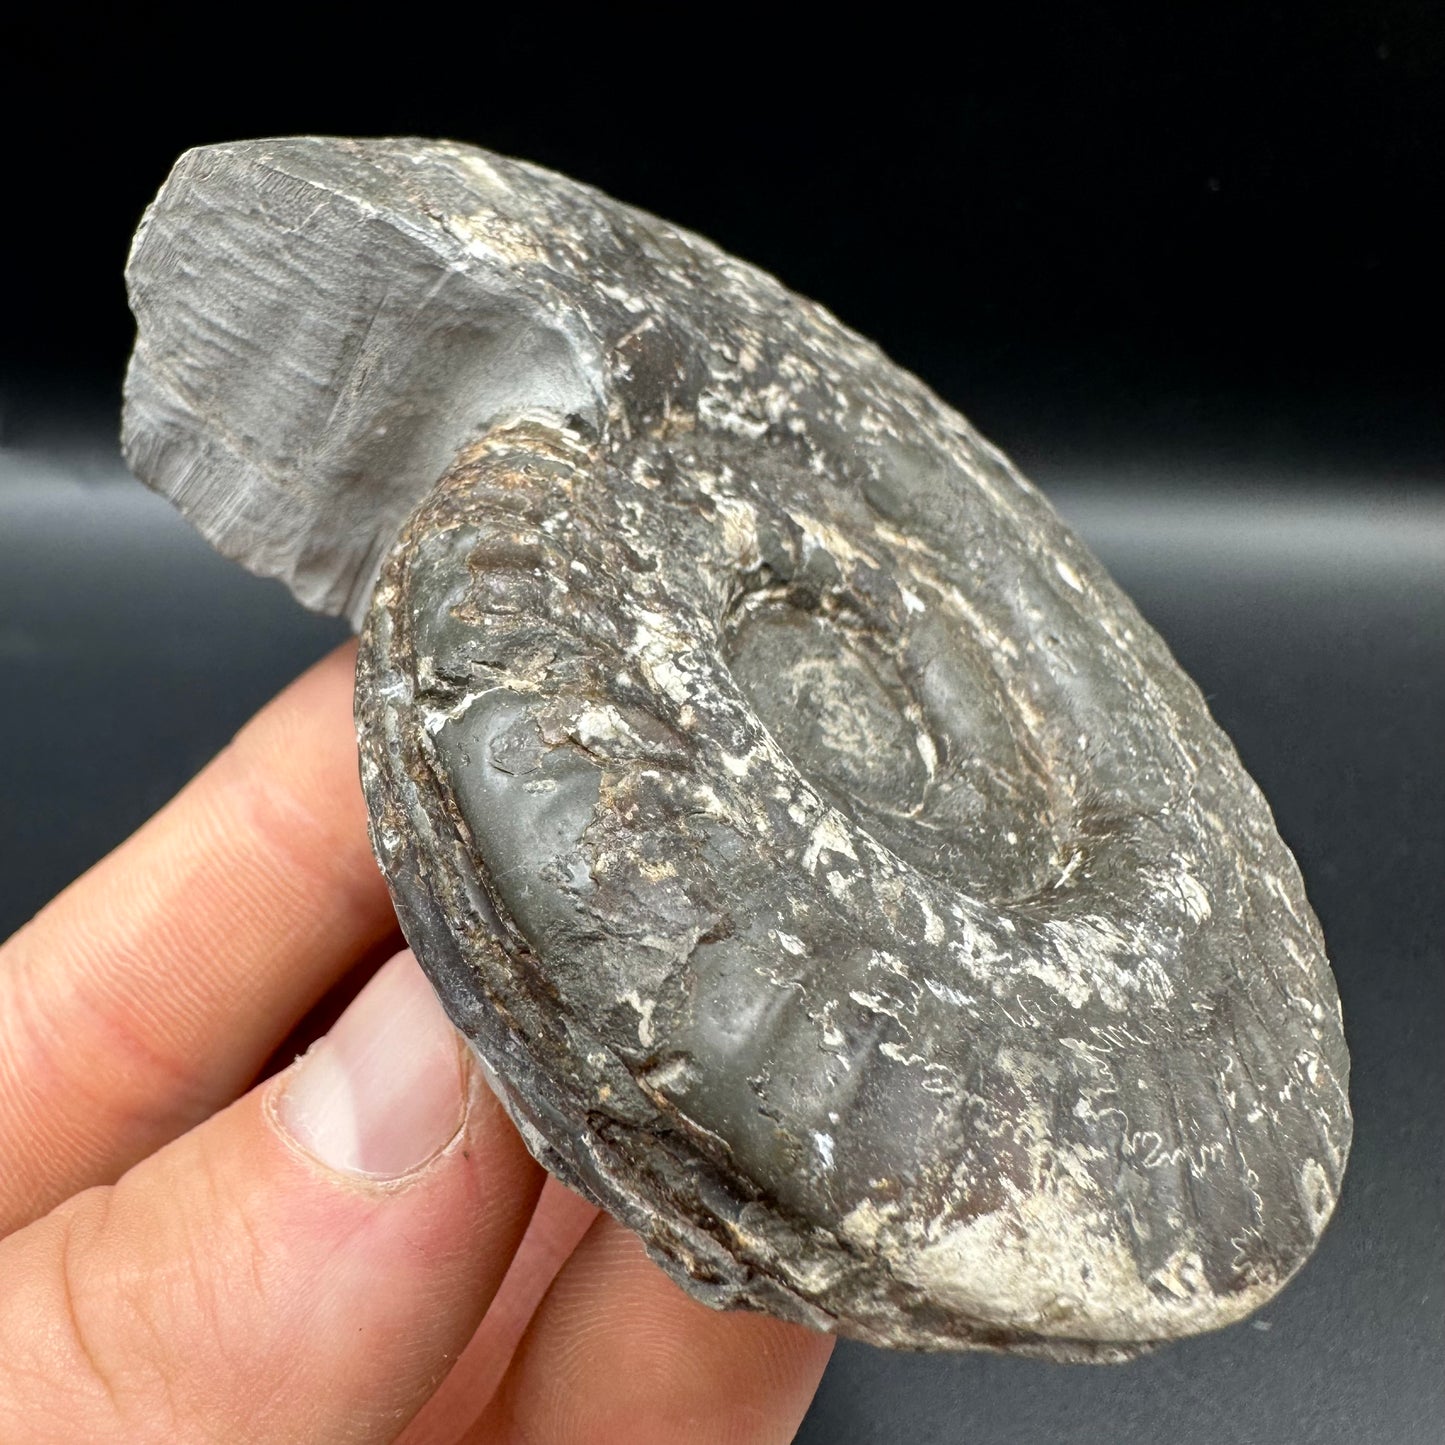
(840,879)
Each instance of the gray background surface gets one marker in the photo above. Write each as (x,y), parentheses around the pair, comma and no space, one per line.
(1313,616)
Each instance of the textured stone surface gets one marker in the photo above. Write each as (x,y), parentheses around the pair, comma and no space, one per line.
(841,881)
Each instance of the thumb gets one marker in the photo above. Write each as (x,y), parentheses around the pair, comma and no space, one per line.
(303,1266)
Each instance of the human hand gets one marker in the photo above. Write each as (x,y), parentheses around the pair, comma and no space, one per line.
(321,1257)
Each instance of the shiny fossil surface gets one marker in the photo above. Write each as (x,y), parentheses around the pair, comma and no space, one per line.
(841,882)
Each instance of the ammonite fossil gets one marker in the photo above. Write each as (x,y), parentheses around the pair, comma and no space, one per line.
(841,882)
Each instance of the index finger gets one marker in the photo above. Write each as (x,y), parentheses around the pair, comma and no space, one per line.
(153,989)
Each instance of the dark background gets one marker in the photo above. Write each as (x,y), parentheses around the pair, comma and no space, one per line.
(1185,264)
(1215,225)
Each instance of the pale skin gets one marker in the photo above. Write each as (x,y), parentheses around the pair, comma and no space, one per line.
(358,1246)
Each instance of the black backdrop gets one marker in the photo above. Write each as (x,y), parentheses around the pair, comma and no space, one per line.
(1217,225)
(1184,263)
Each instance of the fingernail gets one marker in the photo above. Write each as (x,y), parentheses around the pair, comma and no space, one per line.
(383,1091)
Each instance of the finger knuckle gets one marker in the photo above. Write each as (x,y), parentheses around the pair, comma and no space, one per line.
(67,1338)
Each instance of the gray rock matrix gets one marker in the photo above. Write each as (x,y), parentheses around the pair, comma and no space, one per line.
(839,879)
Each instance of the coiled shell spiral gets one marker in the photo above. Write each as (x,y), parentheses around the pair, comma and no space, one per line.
(839,879)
